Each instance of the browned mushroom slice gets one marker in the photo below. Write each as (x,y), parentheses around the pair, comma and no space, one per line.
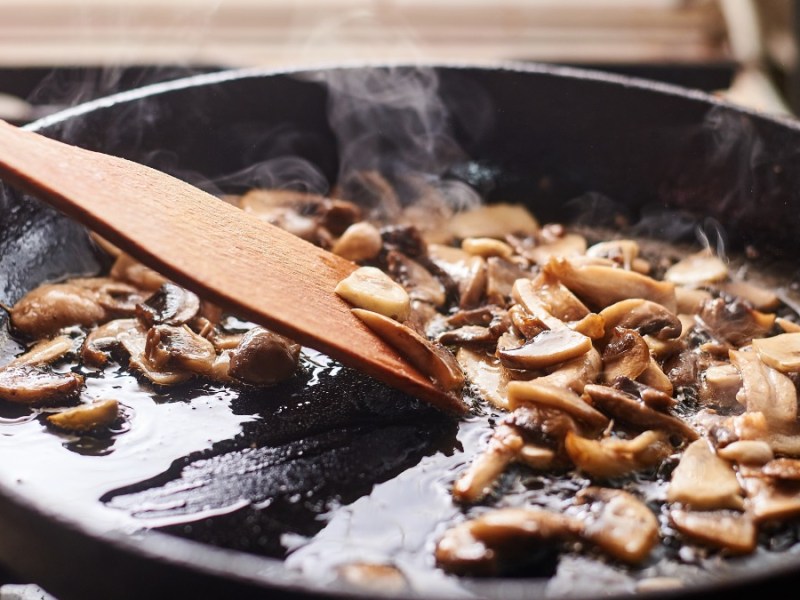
(221,368)
(654,377)
(134,341)
(482,545)
(86,417)
(178,348)
(622,252)
(525,293)
(117,297)
(49,308)
(44,352)
(781,352)
(619,523)
(576,373)
(561,302)
(643,316)
(126,268)
(542,394)
(486,247)
(747,452)
(103,339)
(483,315)
(785,469)
(769,500)
(292,211)
(486,374)
(337,216)
(720,384)
(500,277)
(431,359)
(526,324)
(734,322)
(592,325)
(416,279)
(628,409)
(652,397)
(27,384)
(761,298)
(264,357)
(169,305)
(546,349)
(469,335)
(545,427)
(704,481)
(625,355)
(600,286)
(753,425)
(482,473)
(765,389)
(614,457)
(493,221)
(568,244)
(697,269)
(691,301)
(467,271)
(733,531)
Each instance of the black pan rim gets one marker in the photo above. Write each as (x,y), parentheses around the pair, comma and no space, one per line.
(270,574)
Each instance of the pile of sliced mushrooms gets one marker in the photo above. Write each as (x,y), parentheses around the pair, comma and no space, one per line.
(595,360)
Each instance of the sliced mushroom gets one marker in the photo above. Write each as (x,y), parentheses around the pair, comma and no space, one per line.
(86,417)
(119,299)
(126,268)
(44,352)
(600,286)
(264,358)
(765,389)
(733,531)
(697,269)
(704,481)
(546,349)
(592,326)
(690,301)
(372,289)
(525,294)
(643,316)
(292,211)
(170,348)
(568,244)
(769,500)
(561,302)
(134,341)
(34,386)
(486,374)
(500,277)
(525,323)
(619,523)
(655,378)
(337,216)
(734,322)
(49,308)
(486,247)
(625,355)
(476,482)
(652,397)
(493,221)
(473,336)
(96,347)
(614,457)
(416,279)
(467,271)
(542,394)
(747,452)
(431,359)
(762,299)
(720,385)
(361,241)
(787,325)
(781,352)
(482,545)
(576,373)
(169,305)
(536,457)
(623,252)
(628,409)
(785,469)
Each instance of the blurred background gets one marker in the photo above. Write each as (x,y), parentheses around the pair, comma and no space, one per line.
(55,53)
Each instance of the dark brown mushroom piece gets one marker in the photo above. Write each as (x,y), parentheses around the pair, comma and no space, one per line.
(544,427)
(337,216)
(49,308)
(179,348)
(467,271)
(521,393)
(134,342)
(500,277)
(734,322)
(652,397)
(417,280)
(643,316)
(472,336)
(264,358)
(35,386)
(169,305)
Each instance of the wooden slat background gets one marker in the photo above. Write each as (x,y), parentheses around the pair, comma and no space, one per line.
(272,32)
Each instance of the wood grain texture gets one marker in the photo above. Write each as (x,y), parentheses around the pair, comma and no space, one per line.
(245,265)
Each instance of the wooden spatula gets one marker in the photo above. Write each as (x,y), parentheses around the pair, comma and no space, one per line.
(247,266)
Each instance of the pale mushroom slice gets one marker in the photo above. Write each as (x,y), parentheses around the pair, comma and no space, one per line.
(623,252)
(626,408)
(44,352)
(371,289)
(704,481)
(263,357)
(49,308)
(521,393)
(725,529)
(561,302)
(655,377)
(762,299)
(643,316)
(96,347)
(619,523)
(784,469)
(769,500)
(476,482)
(690,301)
(126,268)
(613,457)
(134,341)
(380,579)
(548,348)
(360,242)
(720,384)
(576,373)
(600,286)
(486,247)
(482,545)
(536,457)
(697,269)
(34,386)
(781,352)
(787,325)
(170,348)
(568,244)
(525,294)
(99,414)
(747,452)
(170,304)
(493,221)
(753,425)
(486,374)
(765,389)
(433,360)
